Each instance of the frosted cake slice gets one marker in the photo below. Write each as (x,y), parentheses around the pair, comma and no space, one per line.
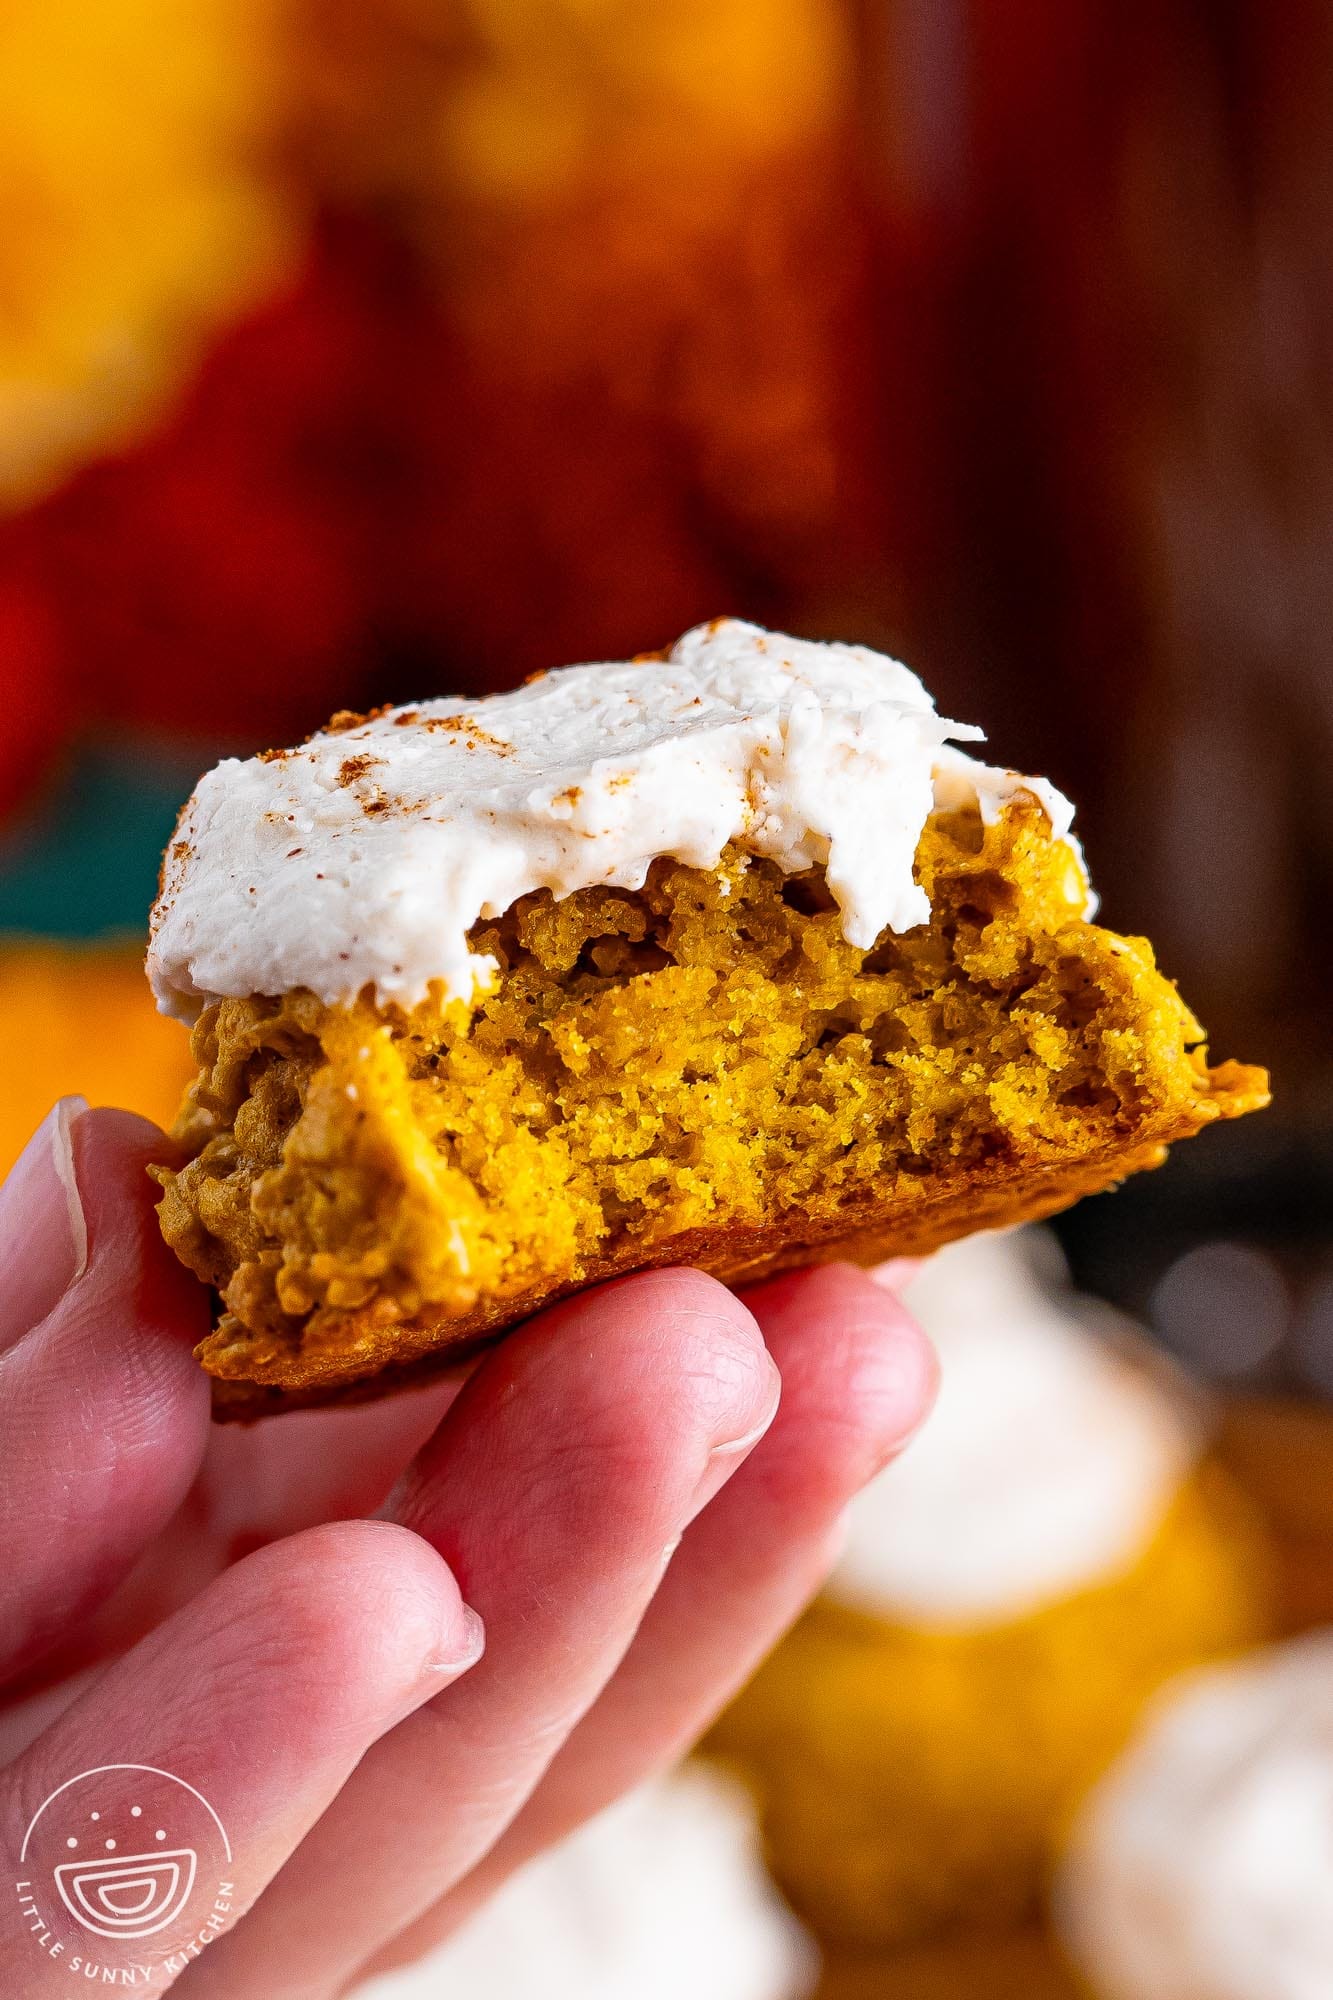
(728,956)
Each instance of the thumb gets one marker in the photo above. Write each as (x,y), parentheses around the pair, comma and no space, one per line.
(103,1410)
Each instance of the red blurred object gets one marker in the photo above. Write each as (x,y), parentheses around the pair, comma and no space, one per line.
(34,693)
(221,579)
(352,501)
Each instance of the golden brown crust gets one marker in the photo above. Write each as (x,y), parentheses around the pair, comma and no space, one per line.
(992,1198)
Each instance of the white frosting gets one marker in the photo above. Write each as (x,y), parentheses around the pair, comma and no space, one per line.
(364,856)
(661,1898)
(1045,1467)
(1202,1866)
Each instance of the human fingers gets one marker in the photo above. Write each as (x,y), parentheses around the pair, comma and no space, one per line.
(556,1487)
(103,1410)
(261,1481)
(858,1378)
(256,1484)
(223,1736)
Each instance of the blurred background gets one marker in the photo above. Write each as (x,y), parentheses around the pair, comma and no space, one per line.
(357,350)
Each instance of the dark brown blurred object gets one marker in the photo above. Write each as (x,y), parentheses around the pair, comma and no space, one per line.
(1021,1965)
(1231,494)
(1122,430)
(1281,1453)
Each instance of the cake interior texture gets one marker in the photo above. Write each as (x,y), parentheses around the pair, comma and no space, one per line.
(703,1070)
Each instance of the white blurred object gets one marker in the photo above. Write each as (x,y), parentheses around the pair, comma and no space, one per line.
(1046,1466)
(663,1897)
(1222,1307)
(1202,1866)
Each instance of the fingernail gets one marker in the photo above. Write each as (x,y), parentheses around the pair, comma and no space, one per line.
(459,1660)
(901,1389)
(41,1217)
(668,1555)
(725,1457)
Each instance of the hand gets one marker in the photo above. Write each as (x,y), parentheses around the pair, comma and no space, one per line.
(398,1648)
